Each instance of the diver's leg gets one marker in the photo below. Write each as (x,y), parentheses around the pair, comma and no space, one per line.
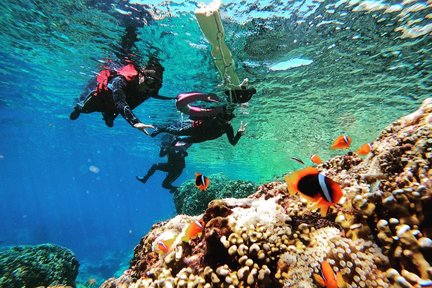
(87,102)
(178,131)
(109,117)
(152,170)
(171,177)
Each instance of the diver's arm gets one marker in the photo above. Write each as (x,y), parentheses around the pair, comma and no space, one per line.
(118,86)
(163,151)
(230,134)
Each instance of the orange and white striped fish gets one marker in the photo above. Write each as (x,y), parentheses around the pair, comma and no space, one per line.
(315,187)
(164,246)
(364,149)
(341,142)
(193,230)
(201,182)
(328,277)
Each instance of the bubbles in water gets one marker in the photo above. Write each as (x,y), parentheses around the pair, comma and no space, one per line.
(94,169)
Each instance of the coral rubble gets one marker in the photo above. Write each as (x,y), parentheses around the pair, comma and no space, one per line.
(38,266)
(378,235)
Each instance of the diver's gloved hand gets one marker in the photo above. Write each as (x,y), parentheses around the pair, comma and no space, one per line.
(240,94)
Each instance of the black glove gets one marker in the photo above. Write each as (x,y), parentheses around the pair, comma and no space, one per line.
(241,94)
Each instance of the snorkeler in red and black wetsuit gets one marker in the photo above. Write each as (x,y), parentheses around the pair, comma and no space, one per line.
(118,90)
(174,166)
(122,85)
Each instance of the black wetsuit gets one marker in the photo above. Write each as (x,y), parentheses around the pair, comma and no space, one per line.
(203,130)
(174,167)
(121,98)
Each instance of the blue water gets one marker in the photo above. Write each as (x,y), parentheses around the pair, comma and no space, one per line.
(340,69)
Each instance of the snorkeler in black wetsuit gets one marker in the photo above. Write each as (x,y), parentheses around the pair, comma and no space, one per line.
(174,166)
(204,129)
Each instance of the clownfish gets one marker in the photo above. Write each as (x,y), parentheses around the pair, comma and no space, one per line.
(163,246)
(315,159)
(193,230)
(364,149)
(329,278)
(341,142)
(298,160)
(315,187)
(201,181)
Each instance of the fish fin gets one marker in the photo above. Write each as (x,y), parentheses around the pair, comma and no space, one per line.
(340,281)
(318,279)
(185,237)
(293,179)
(207,183)
(323,209)
(327,270)
(334,146)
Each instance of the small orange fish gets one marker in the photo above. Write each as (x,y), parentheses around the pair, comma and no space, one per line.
(341,142)
(329,278)
(193,230)
(364,149)
(298,160)
(163,246)
(315,187)
(315,159)
(201,181)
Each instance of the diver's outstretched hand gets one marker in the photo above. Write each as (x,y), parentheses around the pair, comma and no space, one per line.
(242,127)
(143,127)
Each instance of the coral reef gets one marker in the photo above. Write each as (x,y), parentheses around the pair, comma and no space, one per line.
(378,235)
(189,200)
(44,265)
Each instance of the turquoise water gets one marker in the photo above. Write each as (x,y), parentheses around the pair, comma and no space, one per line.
(321,68)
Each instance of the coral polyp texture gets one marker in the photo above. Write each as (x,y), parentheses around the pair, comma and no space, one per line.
(41,266)
(378,235)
